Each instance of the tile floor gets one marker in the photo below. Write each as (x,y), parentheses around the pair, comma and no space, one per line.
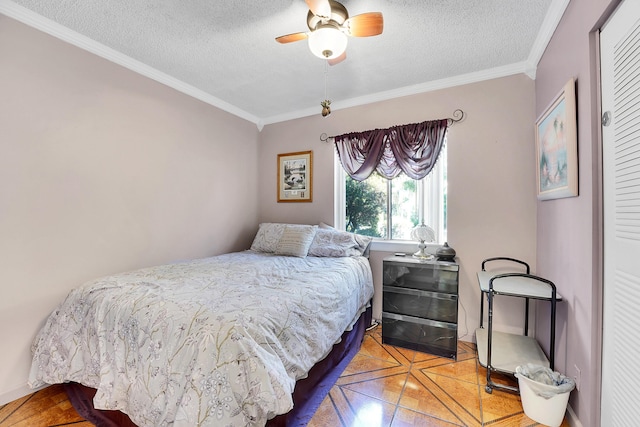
(383,386)
(387,386)
(48,407)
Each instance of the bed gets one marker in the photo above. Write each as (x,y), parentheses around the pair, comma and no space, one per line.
(219,341)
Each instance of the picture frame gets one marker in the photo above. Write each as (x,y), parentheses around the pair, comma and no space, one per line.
(295,177)
(557,147)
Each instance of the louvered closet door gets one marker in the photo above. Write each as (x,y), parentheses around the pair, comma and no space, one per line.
(620,61)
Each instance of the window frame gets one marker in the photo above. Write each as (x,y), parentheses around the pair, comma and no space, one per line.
(434,211)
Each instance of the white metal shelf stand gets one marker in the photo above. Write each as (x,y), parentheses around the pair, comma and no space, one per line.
(503,352)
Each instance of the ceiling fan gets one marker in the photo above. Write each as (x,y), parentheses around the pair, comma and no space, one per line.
(329,25)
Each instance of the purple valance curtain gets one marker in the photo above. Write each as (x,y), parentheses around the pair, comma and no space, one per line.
(412,149)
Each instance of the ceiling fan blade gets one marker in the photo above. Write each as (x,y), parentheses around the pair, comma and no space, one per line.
(320,8)
(365,25)
(292,37)
(338,59)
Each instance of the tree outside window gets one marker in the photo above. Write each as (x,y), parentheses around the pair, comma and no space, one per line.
(389,209)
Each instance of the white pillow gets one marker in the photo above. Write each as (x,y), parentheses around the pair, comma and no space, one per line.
(267,237)
(339,244)
(364,242)
(295,240)
(334,243)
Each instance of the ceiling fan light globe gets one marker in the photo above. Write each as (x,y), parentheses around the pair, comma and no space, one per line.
(327,42)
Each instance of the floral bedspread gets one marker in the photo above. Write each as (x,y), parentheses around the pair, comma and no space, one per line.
(212,342)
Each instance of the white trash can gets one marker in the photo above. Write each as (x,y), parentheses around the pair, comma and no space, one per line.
(544,393)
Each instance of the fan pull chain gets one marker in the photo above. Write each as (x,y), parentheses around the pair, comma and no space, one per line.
(326,104)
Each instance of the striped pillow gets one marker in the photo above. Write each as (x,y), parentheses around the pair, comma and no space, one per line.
(296,240)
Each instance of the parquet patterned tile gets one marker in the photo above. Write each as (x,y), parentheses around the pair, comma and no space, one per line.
(407,418)
(463,370)
(383,386)
(426,399)
(387,386)
(48,407)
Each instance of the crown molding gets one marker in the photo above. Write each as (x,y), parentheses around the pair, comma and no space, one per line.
(549,25)
(528,67)
(507,70)
(63,33)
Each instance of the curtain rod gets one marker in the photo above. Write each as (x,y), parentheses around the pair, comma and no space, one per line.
(457,116)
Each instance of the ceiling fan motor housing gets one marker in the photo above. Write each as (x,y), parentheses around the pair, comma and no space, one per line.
(339,14)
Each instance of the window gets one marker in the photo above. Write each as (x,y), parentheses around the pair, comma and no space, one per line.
(389,209)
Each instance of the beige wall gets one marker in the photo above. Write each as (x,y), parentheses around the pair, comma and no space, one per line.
(491,176)
(102,171)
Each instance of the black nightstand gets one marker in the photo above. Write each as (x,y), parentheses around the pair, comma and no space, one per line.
(420,305)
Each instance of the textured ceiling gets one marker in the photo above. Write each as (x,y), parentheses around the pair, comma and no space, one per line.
(224,52)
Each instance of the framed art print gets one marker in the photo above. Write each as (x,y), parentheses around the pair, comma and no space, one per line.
(557,147)
(295,177)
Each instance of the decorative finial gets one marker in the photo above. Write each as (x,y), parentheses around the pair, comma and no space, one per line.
(326,107)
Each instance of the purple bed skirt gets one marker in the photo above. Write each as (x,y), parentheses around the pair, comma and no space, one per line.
(307,395)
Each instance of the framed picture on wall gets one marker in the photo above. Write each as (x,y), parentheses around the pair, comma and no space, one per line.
(557,147)
(295,177)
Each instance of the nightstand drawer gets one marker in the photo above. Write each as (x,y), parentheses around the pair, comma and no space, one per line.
(412,302)
(424,335)
(427,277)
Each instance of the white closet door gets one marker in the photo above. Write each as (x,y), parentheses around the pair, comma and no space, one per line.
(620,61)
